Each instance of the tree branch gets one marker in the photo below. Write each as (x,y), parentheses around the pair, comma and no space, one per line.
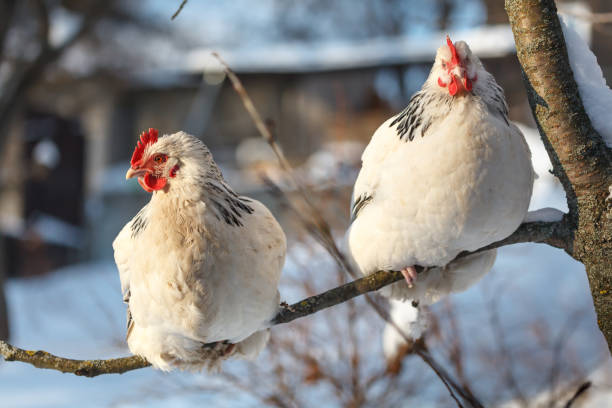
(552,233)
(580,158)
(87,368)
(175,15)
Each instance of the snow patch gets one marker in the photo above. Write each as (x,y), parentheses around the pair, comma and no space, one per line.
(407,317)
(547,190)
(54,230)
(485,41)
(594,91)
(547,214)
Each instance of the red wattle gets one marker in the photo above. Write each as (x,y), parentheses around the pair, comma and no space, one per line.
(453,88)
(143,185)
(153,183)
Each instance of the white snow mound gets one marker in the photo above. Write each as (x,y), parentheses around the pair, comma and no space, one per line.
(594,91)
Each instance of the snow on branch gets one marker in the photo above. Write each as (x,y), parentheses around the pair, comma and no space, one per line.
(547,214)
(552,233)
(594,91)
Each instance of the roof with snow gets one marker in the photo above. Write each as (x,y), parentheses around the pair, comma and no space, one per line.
(485,41)
(488,41)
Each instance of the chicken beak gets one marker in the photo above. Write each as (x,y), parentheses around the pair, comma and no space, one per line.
(134,173)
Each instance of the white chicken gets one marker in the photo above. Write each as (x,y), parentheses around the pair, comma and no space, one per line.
(448,174)
(199,265)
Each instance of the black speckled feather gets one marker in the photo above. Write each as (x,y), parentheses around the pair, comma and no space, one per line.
(416,118)
(227,205)
(139,223)
(359,204)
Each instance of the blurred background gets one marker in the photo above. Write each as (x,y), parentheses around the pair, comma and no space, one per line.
(79,80)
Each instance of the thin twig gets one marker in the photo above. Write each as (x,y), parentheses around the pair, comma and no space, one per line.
(175,15)
(455,351)
(444,376)
(87,368)
(266,134)
(500,341)
(563,337)
(578,393)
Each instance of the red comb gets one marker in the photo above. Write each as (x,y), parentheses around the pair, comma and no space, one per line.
(146,138)
(453,50)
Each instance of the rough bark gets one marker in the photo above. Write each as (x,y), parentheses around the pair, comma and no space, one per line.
(87,368)
(552,233)
(580,158)
(7,9)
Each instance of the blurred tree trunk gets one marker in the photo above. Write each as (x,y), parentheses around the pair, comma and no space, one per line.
(445,8)
(580,158)
(7,9)
(496,13)
(4,322)
(30,73)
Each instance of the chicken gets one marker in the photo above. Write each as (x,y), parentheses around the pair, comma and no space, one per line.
(450,173)
(199,265)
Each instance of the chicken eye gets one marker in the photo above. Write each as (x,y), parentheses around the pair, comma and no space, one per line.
(160,158)
(443,64)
